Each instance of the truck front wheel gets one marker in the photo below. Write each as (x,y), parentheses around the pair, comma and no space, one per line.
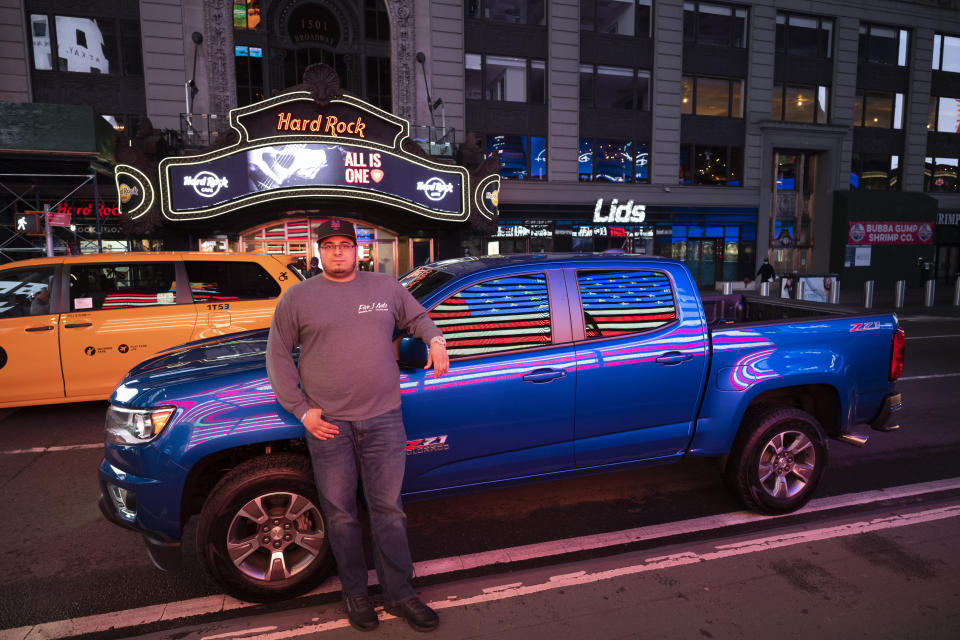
(777,459)
(261,532)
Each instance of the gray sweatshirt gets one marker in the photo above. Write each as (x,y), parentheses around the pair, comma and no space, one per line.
(345,333)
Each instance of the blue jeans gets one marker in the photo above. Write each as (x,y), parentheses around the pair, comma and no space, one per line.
(373,450)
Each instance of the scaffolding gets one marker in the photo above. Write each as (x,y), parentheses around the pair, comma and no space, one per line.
(8,244)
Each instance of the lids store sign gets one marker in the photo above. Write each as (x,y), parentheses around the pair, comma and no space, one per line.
(616,212)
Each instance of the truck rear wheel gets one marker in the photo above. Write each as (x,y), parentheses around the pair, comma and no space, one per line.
(261,532)
(777,459)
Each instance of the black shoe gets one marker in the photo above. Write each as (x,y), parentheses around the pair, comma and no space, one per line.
(418,615)
(361,614)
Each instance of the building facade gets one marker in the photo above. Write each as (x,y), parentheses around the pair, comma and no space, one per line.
(822,135)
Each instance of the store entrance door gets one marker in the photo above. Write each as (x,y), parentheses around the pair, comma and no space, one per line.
(704,258)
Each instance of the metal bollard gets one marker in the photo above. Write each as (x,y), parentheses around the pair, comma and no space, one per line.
(868,294)
(799,289)
(835,292)
(727,288)
(956,292)
(765,288)
(929,290)
(899,293)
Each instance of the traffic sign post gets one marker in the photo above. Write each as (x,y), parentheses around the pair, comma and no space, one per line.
(48,230)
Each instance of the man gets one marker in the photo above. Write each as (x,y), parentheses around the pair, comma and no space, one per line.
(766,272)
(347,395)
(314,269)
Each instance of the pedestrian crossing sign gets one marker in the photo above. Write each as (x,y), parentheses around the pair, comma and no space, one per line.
(27,222)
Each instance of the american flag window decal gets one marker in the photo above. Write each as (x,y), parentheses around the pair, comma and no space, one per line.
(499,315)
(621,302)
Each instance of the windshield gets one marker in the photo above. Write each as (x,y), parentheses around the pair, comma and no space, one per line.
(423,281)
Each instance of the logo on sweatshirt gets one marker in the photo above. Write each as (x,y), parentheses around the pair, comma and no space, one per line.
(373,306)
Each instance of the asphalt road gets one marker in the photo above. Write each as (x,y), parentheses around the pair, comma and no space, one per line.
(62,561)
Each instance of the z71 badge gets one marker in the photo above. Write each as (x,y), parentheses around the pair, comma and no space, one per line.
(866,326)
(426,445)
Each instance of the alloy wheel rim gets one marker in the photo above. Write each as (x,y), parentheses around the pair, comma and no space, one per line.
(787,463)
(275,536)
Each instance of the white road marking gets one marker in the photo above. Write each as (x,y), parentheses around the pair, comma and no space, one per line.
(936,375)
(949,335)
(219,603)
(68,447)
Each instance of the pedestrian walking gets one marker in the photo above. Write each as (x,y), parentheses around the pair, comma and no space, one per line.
(766,272)
(346,392)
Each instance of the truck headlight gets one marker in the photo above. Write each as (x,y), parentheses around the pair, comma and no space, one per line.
(136,426)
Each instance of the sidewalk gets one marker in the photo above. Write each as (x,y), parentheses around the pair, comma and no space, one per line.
(883,300)
(912,304)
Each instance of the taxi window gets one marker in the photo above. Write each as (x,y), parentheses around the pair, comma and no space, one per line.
(620,302)
(494,316)
(25,291)
(214,281)
(95,287)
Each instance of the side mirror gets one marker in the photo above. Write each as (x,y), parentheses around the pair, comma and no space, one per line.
(412,353)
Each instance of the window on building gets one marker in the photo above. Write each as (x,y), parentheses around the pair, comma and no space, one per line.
(376,20)
(884,45)
(800,104)
(212,281)
(614,88)
(512,11)
(40,32)
(521,157)
(721,97)
(249,68)
(944,114)
(246,15)
(617,303)
(940,175)
(880,109)
(946,53)
(504,314)
(616,17)
(379,88)
(499,78)
(711,165)
(801,35)
(87,45)
(715,25)
(613,161)
(874,172)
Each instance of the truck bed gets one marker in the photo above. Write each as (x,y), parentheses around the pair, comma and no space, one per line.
(742,308)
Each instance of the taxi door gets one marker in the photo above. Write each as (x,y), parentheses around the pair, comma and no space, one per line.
(232,295)
(120,313)
(29,351)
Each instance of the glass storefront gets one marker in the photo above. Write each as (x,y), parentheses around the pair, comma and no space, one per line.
(715,246)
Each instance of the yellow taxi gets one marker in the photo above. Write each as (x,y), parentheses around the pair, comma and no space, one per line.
(72,326)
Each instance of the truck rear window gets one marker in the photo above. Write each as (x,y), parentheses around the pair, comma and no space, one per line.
(621,302)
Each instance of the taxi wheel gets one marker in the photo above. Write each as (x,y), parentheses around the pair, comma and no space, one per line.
(261,532)
(777,459)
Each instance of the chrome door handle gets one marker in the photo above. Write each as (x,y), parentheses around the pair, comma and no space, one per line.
(544,375)
(673,357)
(48,327)
(78,325)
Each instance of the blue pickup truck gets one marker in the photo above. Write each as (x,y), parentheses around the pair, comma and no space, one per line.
(560,365)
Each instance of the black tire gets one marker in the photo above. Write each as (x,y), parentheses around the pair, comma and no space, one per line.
(264,511)
(777,460)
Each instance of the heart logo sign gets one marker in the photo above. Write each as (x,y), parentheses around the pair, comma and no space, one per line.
(376,174)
